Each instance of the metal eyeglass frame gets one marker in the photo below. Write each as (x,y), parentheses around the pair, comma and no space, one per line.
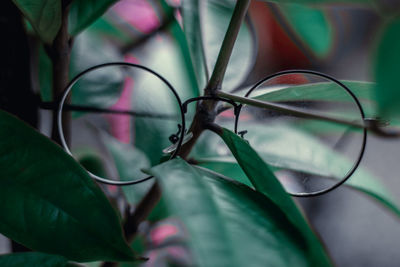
(183,111)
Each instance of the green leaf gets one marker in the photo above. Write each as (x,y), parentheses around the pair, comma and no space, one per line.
(227,167)
(386,66)
(311,26)
(318,159)
(44,16)
(33,259)
(84,12)
(215,211)
(49,203)
(265,181)
(205,24)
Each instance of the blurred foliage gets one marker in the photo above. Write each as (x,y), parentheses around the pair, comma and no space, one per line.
(56,208)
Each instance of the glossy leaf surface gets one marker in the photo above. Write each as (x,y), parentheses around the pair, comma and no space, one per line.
(48,201)
(221,215)
(33,259)
(227,167)
(44,16)
(265,182)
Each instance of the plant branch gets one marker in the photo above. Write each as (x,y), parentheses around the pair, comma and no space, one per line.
(225,53)
(373,125)
(206,109)
(60,52)
(142,211)
(288,110)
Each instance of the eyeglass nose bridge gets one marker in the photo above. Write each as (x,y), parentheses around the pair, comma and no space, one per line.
(236,107)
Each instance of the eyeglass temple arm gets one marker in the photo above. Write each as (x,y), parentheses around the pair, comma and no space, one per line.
(373,125)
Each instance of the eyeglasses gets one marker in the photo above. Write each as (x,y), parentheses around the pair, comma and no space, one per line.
(274,106)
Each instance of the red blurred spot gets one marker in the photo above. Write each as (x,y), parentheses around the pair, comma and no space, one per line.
(160,233)
(277,51)
(295,79)
(176,251)
(138,13)
(113,189)
(227,114)
(121,124)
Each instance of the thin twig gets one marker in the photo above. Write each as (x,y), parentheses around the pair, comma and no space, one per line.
(225,53)
(59,53)
(142,211)
(288,110)
(206,109)
(373,125)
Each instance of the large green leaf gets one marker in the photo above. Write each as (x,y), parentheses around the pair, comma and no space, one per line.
(265,181)
(49,203)
(205,24)
(227,167)
(33,259)
(319,159)
(44,16)
(361,181)
(311,26)
(84,12)
(386,66)
(231,225)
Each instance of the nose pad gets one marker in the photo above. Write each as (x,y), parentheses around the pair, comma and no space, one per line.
(173,147)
